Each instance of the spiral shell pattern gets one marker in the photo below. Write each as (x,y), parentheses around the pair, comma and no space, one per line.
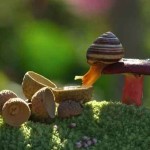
(105,49)
(15,112)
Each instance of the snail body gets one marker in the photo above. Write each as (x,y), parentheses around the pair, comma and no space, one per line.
(105,50)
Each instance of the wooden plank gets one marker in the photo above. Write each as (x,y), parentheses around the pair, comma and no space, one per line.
(125,65)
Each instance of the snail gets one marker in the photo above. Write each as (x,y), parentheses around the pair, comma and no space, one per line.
(15,112)
(5,95)
(105,50)
(43,105)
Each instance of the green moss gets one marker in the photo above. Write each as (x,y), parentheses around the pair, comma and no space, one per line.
(114,125)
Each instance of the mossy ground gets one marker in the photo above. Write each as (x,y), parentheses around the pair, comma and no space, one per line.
(114,125)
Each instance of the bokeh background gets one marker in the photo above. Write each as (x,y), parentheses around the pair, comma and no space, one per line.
(51,37)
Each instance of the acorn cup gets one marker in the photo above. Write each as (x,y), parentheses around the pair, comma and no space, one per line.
(43,105)
(68,109)
(32,82)
(5,95)
(75,93)
(15,112)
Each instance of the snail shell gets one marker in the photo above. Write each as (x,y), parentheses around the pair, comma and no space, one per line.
(43,105)
(15,112)
(5,95)
(105,49)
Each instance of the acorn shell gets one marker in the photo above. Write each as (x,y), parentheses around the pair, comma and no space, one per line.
(15,112)
(105,49)
(32,82)
(43,105)
(5,95)
(75,93)
(69,108)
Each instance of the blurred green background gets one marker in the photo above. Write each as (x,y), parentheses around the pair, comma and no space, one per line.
(51,37)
